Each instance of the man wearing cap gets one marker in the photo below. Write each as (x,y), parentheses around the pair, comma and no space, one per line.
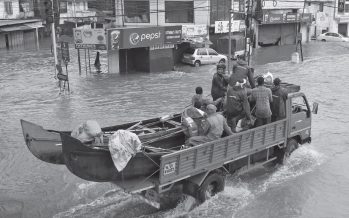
(237,105)
(217,124)
(219,83)
(279,101)
(263,97)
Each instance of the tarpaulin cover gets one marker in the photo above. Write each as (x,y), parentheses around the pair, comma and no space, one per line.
(123,145)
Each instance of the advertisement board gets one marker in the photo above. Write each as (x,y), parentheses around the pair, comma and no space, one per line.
(192,31)
(223,26)
(173,34)
(270,18)
(90,39)
(143,37)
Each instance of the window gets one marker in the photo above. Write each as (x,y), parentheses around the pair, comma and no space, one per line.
(136,11)
(63,7)
(8,8)
(346,8)
(219,10)
(212,52)
(179,11)
(299,105)
(201,51)
(321,7)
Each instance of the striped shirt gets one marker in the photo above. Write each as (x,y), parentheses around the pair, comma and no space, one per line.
(263,97)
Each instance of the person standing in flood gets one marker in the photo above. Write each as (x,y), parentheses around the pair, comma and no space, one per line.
(97,62)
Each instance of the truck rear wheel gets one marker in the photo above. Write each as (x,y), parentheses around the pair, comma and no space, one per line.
(213,184)
(283,154)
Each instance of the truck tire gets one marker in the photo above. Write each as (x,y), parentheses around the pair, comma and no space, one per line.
(283,154)
(213,184)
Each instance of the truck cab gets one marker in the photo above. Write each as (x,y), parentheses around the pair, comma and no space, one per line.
(299,116)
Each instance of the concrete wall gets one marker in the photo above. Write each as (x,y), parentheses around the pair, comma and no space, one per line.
(15,10)
(76,9)
(201,13)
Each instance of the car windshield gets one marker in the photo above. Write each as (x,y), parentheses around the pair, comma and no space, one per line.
(190,51)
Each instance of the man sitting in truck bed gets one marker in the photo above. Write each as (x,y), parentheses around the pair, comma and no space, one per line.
(217,125)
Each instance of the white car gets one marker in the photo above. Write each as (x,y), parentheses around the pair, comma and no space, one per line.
(332,37)
(198,56)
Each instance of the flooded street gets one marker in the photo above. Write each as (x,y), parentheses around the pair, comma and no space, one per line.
(313,183)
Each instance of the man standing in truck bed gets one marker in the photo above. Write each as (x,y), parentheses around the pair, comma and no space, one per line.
(242,71)
(263,97)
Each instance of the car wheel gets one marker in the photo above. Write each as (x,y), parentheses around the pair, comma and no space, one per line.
(323,40)
(197,64)
(222,61)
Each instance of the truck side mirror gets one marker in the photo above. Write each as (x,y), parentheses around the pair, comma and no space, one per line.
(315,107)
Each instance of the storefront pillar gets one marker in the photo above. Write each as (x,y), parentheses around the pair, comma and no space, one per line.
(113,61)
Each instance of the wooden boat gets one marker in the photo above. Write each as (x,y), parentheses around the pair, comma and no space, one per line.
(93,162)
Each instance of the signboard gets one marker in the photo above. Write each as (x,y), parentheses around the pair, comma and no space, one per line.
(192,31)
(65,52)
(269,18)
(306,18)
(143,37)
(223,26)
(90,39)
(291,18)
(173,34)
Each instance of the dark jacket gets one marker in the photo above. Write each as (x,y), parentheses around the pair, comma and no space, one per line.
(237,101)
(279,101)
(219,86)
(241,71)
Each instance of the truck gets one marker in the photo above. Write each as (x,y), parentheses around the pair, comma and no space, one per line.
(163,164)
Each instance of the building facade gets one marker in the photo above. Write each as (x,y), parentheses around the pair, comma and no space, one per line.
(341,17)
(282,21)
(16,9)
(17,28)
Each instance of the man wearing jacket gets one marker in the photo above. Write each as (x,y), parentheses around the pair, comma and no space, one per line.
(219,83)
(237,105)
(242,71)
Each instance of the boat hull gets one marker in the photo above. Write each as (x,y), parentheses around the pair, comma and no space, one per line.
(97,165)
(46,145)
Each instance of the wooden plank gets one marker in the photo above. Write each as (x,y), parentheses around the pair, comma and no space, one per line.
(226,148)
(195,158)
(252,139)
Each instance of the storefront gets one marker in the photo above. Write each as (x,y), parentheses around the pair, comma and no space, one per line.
(219,35)
(281,29)
(147,49)
(19,34)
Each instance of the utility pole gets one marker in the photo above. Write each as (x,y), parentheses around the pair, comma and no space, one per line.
(48,4)
(229,43)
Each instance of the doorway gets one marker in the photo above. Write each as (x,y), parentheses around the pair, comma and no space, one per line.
(343,29)
(7,41)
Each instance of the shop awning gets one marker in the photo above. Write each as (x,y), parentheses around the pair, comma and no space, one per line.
(34,25)
(15,28)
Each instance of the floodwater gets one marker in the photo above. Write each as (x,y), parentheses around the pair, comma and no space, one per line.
(313,183)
